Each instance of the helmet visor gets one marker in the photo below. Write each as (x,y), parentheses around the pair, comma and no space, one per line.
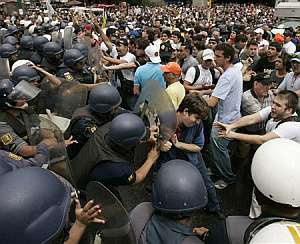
(24,91)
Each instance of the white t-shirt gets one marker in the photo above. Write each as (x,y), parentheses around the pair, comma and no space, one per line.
(113,53)
(289,47)
(128,73)
(264,114)
(205,76)
(289,130)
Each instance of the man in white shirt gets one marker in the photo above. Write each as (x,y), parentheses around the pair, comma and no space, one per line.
(281,121)
(288,45)
(198,77)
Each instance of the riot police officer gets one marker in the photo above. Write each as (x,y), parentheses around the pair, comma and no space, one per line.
(11,40)
(43,215)
(76,69)
(103,106)
(12,30)
(10,52)
(109,153)
(83,48)
(178,191)
(52,57)
(26,47)
(275,169)
(17,119)
(38,44)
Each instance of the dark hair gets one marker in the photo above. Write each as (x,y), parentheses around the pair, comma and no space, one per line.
(241,37)
(285,61)
(252,42)
(141,43)
(291,97)
(167,32)
(188,46)
(276,45)
(195,105)
(228,50)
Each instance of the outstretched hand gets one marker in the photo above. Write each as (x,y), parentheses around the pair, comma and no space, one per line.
(88,214)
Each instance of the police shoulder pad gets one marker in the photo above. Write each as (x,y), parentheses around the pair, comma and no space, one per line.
(68,76)
(6,139)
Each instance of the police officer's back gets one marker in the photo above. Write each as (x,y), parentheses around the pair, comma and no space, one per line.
(178,191)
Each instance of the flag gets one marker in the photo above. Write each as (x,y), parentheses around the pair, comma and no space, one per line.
(50,9)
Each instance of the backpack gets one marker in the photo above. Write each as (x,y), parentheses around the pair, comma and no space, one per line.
(197,74)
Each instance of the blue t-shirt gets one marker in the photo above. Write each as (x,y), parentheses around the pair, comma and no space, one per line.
(147,72)
(229,90)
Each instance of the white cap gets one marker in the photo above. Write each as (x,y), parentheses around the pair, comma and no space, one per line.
(297,57)
(208,54)
(153,53)
(259,30)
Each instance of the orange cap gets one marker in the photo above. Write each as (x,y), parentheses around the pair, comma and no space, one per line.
(279,38)
(171,67)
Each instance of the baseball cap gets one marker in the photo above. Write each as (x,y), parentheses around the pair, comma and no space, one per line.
(208,54)
(296,57)
(279,38)
(153,53)
(171,67)
(122,41)
(263,78)
(259,30)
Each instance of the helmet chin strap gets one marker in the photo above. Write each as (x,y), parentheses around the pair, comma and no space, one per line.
(24,106)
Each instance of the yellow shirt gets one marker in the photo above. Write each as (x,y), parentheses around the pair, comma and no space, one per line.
(176,92)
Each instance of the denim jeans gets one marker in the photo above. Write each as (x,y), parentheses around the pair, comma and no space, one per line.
(219,151)
(174,153)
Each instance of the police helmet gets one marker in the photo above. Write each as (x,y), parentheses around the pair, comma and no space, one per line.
(24,72)
(83,48)
(6,50)
(34,206)
(127,130)
(48,27)
(72,56)
(272,230)
(10,40)
(26,42)
(6,87)
(39,42)
(178,188)
(39,30)
(52,48)
(279,160)
(104,98)
(12,29)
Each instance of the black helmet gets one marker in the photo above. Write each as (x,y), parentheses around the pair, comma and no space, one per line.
(6,50)
(127,130)
(83,48)
(34,206)
(39,42)
(10,40)
(12,29)
(24,72)
(52,48)
(6,87)
(39,30)
(72,56)
(104,98)
(48,27)
(26,42)
(178,188)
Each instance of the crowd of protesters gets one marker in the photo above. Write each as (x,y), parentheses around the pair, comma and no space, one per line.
(230,75)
